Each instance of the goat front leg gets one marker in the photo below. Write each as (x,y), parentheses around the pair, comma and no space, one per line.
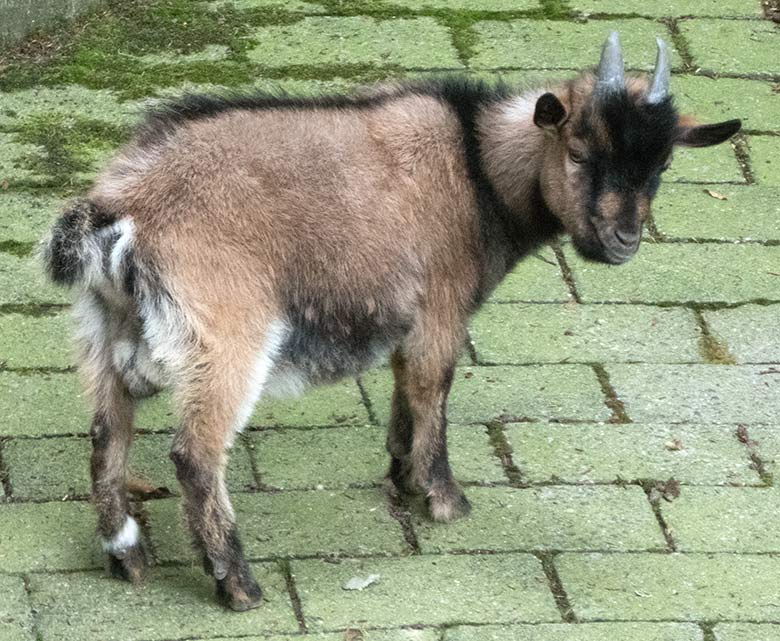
(423,380)
(199,455)
(112,434)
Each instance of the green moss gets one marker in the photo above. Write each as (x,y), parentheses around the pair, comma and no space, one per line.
(105,53)
(17,248)
(555,9)
(69,144)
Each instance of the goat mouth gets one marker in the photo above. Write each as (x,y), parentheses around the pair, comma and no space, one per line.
(615,251)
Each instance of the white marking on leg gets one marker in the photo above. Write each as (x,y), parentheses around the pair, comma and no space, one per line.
(124,540)
(275,336)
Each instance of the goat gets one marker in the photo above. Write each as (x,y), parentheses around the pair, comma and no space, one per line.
(254,244)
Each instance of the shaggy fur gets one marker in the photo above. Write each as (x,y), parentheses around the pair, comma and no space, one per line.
(246,244)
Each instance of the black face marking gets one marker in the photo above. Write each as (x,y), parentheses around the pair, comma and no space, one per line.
(628,145)
(640,138)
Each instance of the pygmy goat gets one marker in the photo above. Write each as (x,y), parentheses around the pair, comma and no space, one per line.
(253,244)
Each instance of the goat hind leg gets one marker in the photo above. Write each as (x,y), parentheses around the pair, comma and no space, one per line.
(199,455)
(112,434)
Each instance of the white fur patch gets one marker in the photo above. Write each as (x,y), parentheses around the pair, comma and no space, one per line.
(275,336)
(126,229)
(521,109)
(125,539)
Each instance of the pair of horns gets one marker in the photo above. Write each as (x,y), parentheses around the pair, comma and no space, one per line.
(610,72)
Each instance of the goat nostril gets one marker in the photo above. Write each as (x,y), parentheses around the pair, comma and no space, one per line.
(627,238)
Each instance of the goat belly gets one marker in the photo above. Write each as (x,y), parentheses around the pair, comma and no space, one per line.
(325,346)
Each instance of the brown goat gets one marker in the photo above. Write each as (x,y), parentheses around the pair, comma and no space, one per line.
(253,244)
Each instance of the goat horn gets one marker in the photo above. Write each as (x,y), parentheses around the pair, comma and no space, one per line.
(610,71)
(659,88)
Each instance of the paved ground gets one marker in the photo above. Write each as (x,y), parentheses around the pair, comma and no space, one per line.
(617,427)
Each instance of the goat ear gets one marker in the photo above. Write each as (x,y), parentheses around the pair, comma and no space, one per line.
(690,135)
(549,111)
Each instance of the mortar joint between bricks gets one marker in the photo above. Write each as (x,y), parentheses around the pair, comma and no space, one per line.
(555,584)
(568,276)
(611,399)
(740,146)
(398,509)
(680,43)
(650,489)
(707,631)
(711,348)
(292,591)
(372,417)
(756,462)
(503,451)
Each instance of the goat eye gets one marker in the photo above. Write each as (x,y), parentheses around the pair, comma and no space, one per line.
(576,156)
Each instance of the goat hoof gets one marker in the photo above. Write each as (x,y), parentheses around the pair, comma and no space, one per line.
(131,567)
(239,593)
(447,504)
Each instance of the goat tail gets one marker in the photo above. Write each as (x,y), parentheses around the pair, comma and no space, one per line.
(88,246)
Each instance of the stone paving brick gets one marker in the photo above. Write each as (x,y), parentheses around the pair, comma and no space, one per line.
(747,632)
(670,8)
(547,518)
(16,622)
(585,333)
(35,341)
(688,211)
(40,404)
(26,217)
(48,536)
(581,632)
(752,101)
(543,44)
(339,404)
(688,587)
(468,5)
(171,603)
(537,278)
(485,393)
(401,634)
(511,588)
(681,273)
(710,454)
(705,165)
(18,107)
(724,519)
(415,43)
(348,522)
(767,438)
(53,468)
(749,332)
(765,159)
(302,459)
(697,393)
(22,282)
(733,46)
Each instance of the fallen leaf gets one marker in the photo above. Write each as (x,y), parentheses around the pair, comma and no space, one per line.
(675,445)
(353,635)
(715,194)
(360,583)
(669,490)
